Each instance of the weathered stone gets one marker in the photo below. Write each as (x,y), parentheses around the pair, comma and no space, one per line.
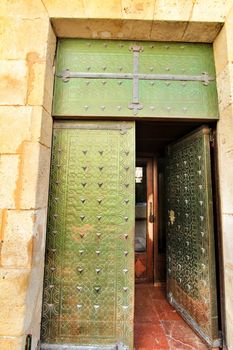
(32,189)
(170,10)
(16,129)
(227,224)
(18,232)
(229,305)
(220,51)
(167,31)
(225,87)
(23,8)
(12,343)
(137,9)
(8,175)
(13,287)
(21,36)
(13,82)
(204,32)
(41,126)
(208,11)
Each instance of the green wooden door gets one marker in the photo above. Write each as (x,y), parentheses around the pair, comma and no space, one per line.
(89,269)
(191,278)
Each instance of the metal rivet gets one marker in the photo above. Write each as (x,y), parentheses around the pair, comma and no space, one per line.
(167,68)
(59,150)
(184,109)
(96,306)
(84,184)
(80,270)
(126,168)
(121,45)
(84,152)
(201,202)
(97,289)
(56,199)
(102,107)
(126,218)
(84,168)
(201,218)
(101,152)
(100,184)
(88,68)
(81,234)
(97,270)
(87,82)
(52,268)
(151,69)
(98,234)
(126,201)
(51,286)
(82,217)
(89,44)
(101,168)
(79,288)
(183,70)
(99,217)
(58,165)
(50,305)
(104,82)
(125,270)
(168,83)
(182,47)
(53,250)
(184,84)
(120,82)
(86,108)
(97,252)
(105,45)
(126,235)
(151,46)
(81,251)
(152,108)
(169,108)
(125,307)
(54,231)
(126,252)
(57,182)
(79,306)
(126,153)
(152,83)
(104,68)
(126,185)
(119,108)
(125,289)
(120,69)
(99,201)
(167,47)
(55,216)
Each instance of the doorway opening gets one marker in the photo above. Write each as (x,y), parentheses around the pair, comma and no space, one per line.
(157,324)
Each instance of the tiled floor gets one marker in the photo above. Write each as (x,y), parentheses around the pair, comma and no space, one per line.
(158,326)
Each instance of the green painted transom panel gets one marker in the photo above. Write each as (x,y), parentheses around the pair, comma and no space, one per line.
(134,79)
(89,269)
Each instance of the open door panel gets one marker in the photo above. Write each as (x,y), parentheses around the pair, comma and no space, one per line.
(191,276)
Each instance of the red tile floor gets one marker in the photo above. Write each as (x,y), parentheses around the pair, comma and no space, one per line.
(158,326)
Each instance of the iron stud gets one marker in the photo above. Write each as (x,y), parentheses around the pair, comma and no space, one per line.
(126,201)
(57,182)
(125,289)
(79,306)
(125,307)
(126,168)
(184,109)
(102,107)
(100,184)
(81,251)
(168,83)
(96,306)
(88,68)
(97,270)
(126,252)
(99,217)
(126,153)
(97,252)
(79,288)
(184,84)
(101,152)
(84,184)
(119,108)
(97,289)
(84,152)
(84,168)
(51,286)
(125,270)
(98,234)
(101,168)
(152,83)
(126,185)
(151,69)
(120,82)
(126,218)
(52,268)
(104,82)
(152,108)
(83,200)
(104,68)
(86,107)
(56,199)
(87,82)
(99,201)
(120,69)
(55,216)
(80,270)
(167,69)
(169,109)
(82,217)
(151,46)
(126,235)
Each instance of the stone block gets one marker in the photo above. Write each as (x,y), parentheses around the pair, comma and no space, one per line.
(32,191)
(23,8)
(8,175)
(21,36)
(14,127)
(229,305)
(18,239)
(225,87)
(227,224)
(167,31)
(13,82)
(41,126)
(170,10)
(40,82)
(13,288)
(137,9)
(208,11)
(201,32)
(51,46)
(12,343)
(225,130)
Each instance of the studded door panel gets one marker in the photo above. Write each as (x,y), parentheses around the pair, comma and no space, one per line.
(191,281)
(89,269)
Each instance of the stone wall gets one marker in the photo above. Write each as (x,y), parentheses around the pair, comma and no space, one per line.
(26,83)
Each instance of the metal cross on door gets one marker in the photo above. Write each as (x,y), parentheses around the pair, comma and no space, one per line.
(191,279)
(89,268)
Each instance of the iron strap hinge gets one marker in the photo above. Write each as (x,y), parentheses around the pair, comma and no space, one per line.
(66,75)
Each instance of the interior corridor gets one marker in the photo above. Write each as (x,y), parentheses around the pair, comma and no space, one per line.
(157,324)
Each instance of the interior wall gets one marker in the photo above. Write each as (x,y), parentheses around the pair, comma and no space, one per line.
(26,71)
